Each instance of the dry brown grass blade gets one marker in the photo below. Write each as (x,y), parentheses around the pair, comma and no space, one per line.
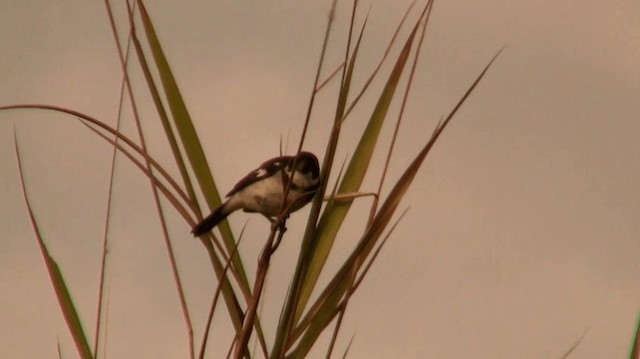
(154,190)
(242,340)
(121,137)
(374,73)
(161,186)
(63,295)
(214,301)
(105,239)
(331,76)
(575,345)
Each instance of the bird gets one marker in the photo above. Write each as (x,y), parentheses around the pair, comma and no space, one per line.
(262,190)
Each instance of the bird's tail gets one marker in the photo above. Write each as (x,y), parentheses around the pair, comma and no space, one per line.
(212,220)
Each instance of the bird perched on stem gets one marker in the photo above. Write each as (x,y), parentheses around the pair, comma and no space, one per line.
(262,190)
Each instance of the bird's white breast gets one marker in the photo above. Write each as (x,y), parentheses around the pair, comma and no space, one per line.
(264,196)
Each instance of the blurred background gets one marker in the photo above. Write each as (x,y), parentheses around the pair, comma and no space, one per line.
(522,233)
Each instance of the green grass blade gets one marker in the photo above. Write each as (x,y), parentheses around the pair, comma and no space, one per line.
(634,351)
(188,135)
(403,105)
(348,74)
(181,117)
(285,323)
(195,154)
(326,306)
(334,214)
(162,113)
(319,323)
(57,279)
(296,299)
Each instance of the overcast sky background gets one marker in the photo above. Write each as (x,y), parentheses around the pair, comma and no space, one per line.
(523,228)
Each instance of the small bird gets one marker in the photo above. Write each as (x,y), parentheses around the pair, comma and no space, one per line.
(262,190)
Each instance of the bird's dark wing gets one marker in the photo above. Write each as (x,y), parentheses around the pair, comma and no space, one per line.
(265,170)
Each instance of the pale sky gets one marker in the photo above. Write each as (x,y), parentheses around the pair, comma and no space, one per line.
(523,228)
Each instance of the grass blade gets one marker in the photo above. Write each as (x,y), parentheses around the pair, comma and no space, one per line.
(574,346)
(57,279)
(155,96)
(162,113)
(337,294)
(634,352)
(326,306)
(334,214)
(214,302)
(105,240)
(374,73)
(188,136)
(394,137)
(195,155)
(346,351)
(285,324)
(356,283)
(181,117)
(231,300)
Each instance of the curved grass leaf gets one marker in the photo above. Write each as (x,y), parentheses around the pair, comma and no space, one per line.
(235,311)
(181,207)
(57,279)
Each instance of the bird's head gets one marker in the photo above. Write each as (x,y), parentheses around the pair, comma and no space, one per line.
(308,165)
